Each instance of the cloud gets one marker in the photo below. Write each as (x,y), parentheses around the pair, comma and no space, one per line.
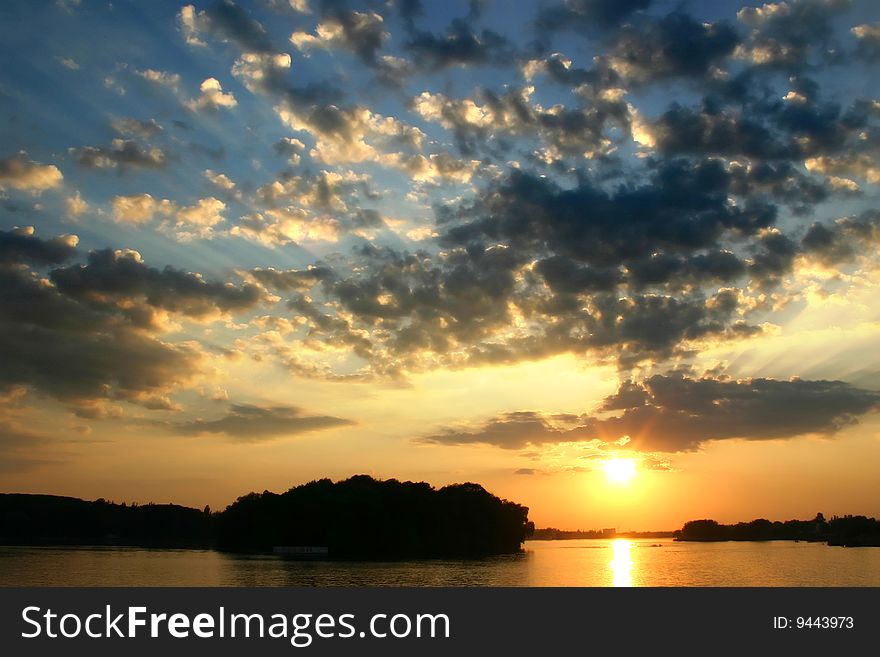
(563,210)
(20,173)
(863,166)
(136,127)
(224,20)
(787,34)
(682,208)
(121,280)
(263,72)
(103,356)
(76,206)
(676,413)
(509,431)
(868,46)
(198,221)
(252,423)
(804,129)
(161,78)
(362,33)
(459,46)
(139,208)
(320,207)
(439,166)
(220,180)
(409,10)
(100,320)
(560,70)
(845,239)
(681,412)
(67,63)
(675,45)
(352,134)
(289,280)
(477,126)
(212,97)
(280,226)
(187,222)
(21,245)
(122,153)
(588,14)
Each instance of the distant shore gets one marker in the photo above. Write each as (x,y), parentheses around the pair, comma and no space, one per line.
(840,531)
(553,534)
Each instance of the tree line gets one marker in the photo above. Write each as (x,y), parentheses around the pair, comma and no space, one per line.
(847,530)
(359,517)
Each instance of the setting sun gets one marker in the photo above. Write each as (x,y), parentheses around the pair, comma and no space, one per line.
(620,471)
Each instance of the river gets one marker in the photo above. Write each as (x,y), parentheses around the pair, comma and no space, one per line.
(616,562)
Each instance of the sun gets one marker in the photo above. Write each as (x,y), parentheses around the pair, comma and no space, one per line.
(619,471)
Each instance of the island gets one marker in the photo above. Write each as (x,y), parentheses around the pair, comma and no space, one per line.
(357,518)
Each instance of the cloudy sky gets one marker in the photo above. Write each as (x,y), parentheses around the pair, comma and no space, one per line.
(246,245)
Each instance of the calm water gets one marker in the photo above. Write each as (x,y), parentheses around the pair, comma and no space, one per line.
(544,563)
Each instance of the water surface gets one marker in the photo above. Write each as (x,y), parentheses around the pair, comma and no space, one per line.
(543,563)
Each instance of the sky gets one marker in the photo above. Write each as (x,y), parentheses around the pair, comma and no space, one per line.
(615,260)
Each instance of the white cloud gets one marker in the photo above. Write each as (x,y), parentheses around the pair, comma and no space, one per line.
(139,208)
(212,97)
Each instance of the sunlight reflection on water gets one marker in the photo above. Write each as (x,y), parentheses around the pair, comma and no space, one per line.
(621,563)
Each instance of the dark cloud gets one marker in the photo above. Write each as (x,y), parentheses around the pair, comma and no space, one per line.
(843,240)
(675,413)
(560,70)
(73,352)
(360,32)
(21,245)
(690,131)
(531,269)
(660,269)
(86,332)
(769,140)
(783,182)
(293,279)
(121,153)
(409,10)
(568,130)
(675,45)
(682,412)
(773,259)
(409,311)
(123,280)
(652,326)
(630,272)
(868,44)
(459,46)
(250,423)
(565,276)
(682,209)
(787,34)
(568,244)
(229,21)
(588,14)
(509,431)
